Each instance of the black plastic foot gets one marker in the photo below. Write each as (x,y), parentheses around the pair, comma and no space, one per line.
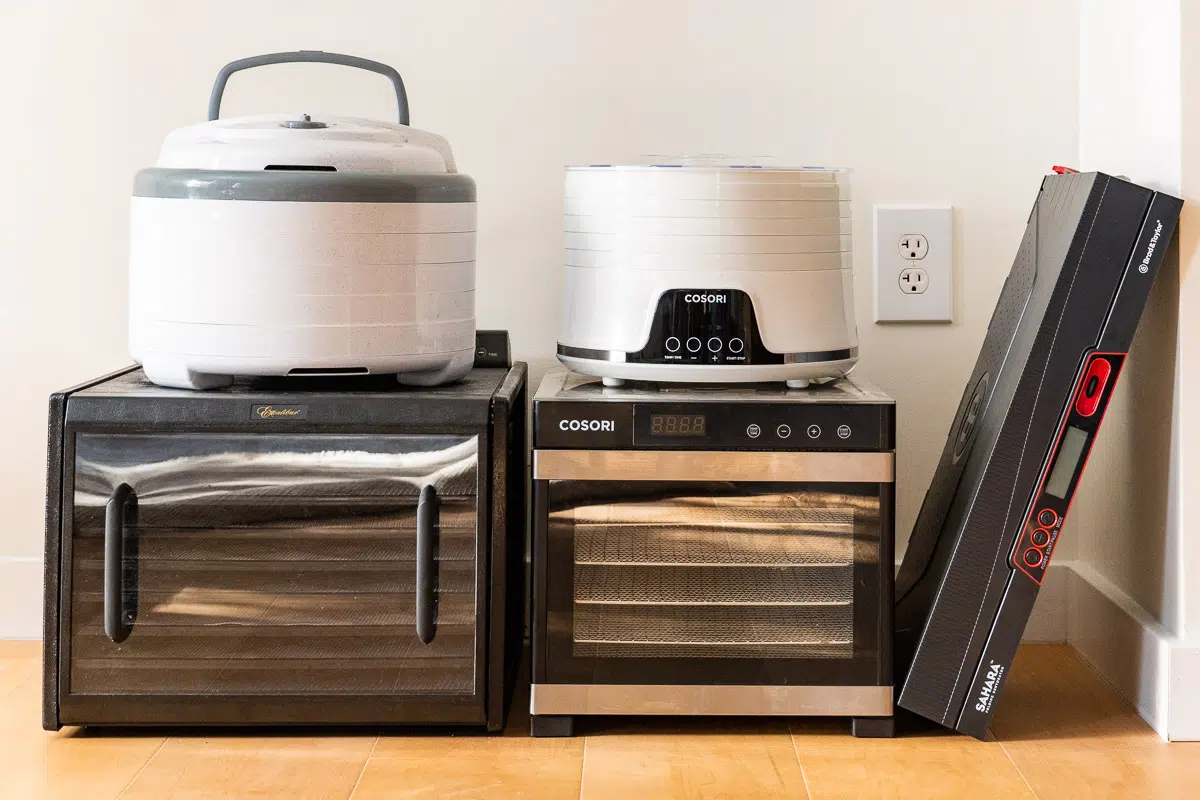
(873,727)
(551,726)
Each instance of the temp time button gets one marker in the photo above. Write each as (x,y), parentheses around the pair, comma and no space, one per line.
(754,431)
(673,344)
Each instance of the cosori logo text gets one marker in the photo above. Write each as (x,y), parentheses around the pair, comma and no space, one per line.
(587,425)
(705,298)
(1144,267)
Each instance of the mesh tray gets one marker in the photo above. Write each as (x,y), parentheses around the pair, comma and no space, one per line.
(767,511)
(703,545)
(733,586)
(839,650)
(714,626)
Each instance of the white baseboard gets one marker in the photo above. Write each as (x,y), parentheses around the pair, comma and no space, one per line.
(1151,667)
(1184,724)
(20,597)
(1126,645)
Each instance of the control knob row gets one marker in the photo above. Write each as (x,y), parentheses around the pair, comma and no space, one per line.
(714,345)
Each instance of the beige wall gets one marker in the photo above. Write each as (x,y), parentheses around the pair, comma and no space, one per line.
(1125,522)
(930,101)
(1184,556)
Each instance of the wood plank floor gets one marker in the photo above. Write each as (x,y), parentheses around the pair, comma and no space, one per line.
(1061,732)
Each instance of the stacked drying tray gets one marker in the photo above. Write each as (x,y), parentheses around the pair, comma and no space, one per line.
(700,271)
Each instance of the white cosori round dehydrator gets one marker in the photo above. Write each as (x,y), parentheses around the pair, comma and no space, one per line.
(302,245)
(702,273)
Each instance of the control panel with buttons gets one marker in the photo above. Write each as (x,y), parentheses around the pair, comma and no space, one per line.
(839,416)
(1061,473)
(704,326)
(755,426)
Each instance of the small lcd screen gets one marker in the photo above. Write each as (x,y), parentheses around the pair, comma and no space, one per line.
(677,424)
(1074,440)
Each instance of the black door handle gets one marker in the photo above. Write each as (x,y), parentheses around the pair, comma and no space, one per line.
(120,585)
(428,524)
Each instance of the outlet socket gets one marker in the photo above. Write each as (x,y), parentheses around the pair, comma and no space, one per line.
(914,280)
(913,260)
(913,246)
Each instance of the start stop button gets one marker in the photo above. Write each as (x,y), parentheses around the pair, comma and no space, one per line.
(1093,386)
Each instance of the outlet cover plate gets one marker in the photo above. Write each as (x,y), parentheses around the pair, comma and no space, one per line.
(892,224)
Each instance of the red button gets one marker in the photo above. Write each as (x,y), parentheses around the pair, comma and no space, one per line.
(1093,386)
(1033,558)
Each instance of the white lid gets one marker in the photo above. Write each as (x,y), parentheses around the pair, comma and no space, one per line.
(348,144)
(638,243)
(753,168)
(706,226)
(708,262)
(649,207)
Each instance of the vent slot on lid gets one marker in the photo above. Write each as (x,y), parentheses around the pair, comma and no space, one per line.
(301,371)
(299,168)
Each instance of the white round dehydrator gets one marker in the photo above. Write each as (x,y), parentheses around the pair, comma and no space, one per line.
(701,273)
(302,245)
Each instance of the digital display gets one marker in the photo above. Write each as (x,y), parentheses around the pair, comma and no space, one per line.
(1074,440)
(677,424)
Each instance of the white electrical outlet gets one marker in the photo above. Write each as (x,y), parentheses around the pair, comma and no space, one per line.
(914,264)
(913,246)
(914,280)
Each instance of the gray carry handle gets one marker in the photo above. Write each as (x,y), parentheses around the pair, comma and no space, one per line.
(307,56)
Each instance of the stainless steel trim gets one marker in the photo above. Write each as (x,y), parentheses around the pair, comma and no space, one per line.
(591,354)
(812,357)
(784,701)
(818,356)
(685,465)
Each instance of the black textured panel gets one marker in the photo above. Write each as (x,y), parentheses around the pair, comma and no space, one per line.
(1052,310)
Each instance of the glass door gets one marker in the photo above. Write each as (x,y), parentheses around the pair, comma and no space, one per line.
(713,581)
(301,565)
